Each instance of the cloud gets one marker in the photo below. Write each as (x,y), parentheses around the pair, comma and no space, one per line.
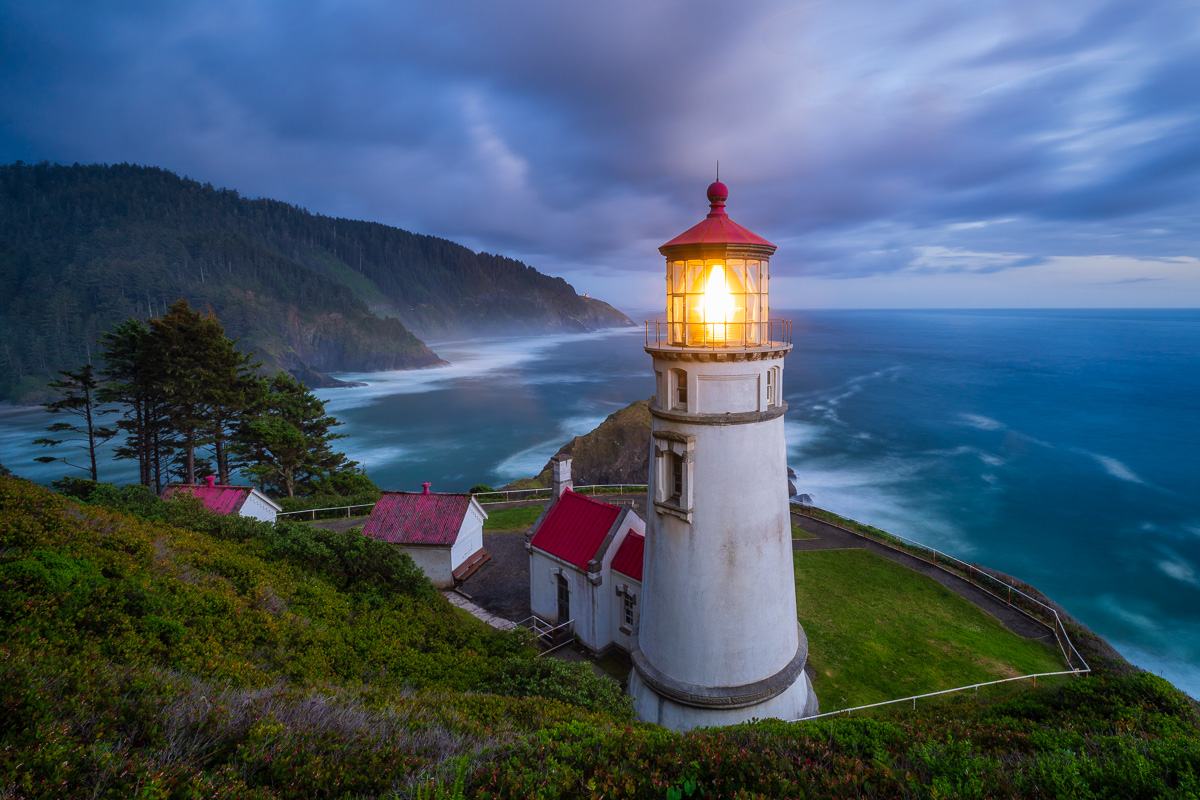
(923,139)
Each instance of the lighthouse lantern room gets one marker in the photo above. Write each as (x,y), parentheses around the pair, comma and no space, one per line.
(718,641)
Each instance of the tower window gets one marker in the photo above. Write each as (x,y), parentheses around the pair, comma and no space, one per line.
(773,386)
(679,379)
(671,473)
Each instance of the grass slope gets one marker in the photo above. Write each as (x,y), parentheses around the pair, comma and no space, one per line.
(512,520)
(880,631)
(183,655)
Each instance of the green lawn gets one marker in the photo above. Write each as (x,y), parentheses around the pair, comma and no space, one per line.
(798,533)
(879,631)
(511,520)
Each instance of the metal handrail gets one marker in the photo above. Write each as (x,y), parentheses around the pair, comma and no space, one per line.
(590,490)
(719,335)
(314,511)
(543,630)
(1060,631)
(917,697)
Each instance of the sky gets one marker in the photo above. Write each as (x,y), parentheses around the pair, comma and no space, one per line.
(931,153)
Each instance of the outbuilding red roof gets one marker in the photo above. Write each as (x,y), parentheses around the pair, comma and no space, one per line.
(218,499)
(575,528)
(628,560)
(717,227)
(417,518)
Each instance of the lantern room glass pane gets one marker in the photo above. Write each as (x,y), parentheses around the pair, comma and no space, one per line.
(752,275)
(677,276)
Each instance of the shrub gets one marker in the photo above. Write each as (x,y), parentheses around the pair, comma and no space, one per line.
(558,680)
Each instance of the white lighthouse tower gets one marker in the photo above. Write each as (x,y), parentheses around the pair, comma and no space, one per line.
(718,641)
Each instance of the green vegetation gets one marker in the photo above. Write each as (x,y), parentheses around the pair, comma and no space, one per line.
(159,651)
(177,653)
(512,520)
(84,247)
(880,631)
(800,533)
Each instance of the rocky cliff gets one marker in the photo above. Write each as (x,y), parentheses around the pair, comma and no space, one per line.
(616,451)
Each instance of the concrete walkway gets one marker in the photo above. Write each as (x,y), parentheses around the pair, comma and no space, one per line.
(831,537)
(458,601)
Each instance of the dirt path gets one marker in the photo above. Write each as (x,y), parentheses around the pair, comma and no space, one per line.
(831,537)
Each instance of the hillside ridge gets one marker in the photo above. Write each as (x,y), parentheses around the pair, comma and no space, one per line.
(84,247)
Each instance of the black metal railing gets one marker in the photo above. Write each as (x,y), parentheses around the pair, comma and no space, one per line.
(718,335)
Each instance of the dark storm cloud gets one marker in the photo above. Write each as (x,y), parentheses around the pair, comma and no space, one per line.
(861,136)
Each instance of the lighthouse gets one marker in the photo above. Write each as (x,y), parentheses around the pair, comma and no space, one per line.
(718,642)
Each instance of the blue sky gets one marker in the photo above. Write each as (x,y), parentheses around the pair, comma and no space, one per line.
(916,154)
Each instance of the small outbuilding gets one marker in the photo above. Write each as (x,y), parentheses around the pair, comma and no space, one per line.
(585,565)
(242,501)
(442,533)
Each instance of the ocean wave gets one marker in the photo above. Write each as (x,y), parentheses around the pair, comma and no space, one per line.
(1114,467)
(980,422)
(528,462)
(1179,568)
(469,359)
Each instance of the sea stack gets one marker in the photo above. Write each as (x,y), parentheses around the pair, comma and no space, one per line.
(718,642)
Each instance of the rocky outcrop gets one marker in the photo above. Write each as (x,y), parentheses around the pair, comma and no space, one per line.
(617,451)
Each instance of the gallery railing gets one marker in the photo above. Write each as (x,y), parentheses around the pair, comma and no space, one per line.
(718,335)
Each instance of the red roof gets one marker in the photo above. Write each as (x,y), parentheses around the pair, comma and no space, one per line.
(628,560)
(218,499)
(717,227)
(417,518)
(575,528)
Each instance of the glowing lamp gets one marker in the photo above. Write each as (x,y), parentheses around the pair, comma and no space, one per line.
(717,275)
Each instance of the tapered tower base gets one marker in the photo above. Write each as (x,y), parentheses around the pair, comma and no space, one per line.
(795,702)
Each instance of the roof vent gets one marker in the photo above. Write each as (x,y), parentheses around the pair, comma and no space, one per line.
(426,486)
(211,480)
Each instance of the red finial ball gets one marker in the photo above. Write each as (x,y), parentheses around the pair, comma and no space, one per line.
(717,192)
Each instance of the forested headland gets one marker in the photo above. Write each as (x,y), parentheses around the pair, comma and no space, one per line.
(85,247)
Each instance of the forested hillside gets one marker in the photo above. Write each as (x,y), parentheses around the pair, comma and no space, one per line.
(85,247)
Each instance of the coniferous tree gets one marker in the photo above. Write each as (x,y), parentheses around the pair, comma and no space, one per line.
(286,438)
(80,397)
(132,373)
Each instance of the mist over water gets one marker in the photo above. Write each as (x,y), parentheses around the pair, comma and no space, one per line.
(1061,447)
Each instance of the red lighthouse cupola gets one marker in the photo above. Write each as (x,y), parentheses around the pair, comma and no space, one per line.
(717,276)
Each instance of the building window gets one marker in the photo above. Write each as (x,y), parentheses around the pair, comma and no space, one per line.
(629,602)
(679,382)
(671,473)
(564,600)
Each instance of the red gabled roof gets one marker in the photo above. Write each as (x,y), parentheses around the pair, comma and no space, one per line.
(628,560)
(417,518)
(575,528)
(218,499)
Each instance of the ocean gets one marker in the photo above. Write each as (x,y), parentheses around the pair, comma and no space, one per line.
(1062,447)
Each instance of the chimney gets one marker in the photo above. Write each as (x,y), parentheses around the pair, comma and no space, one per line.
(211,480)
(426,486)
(560,474)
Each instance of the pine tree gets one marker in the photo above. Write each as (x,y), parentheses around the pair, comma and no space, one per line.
(80,397)
(286,438)
(132,373)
